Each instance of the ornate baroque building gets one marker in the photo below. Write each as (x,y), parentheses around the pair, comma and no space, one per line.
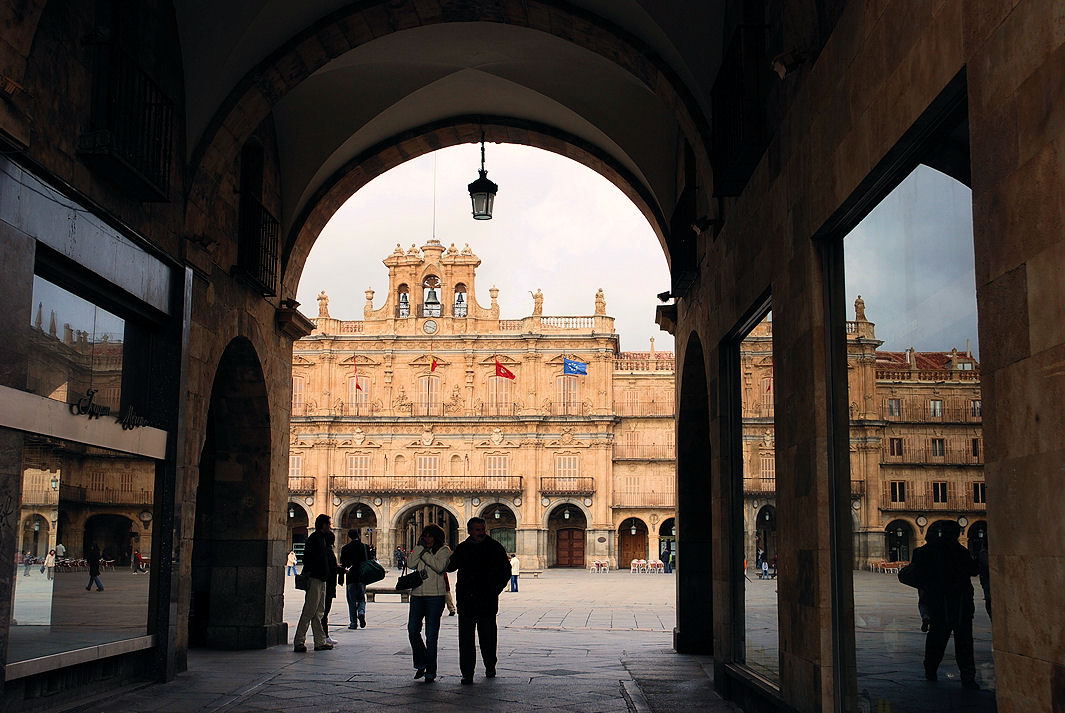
(916,446)
(408,416)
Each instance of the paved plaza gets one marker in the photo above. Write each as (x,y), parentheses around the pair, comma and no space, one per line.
(568,642)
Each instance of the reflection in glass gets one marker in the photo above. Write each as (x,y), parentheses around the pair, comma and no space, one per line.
(80,504)
(915,456)
(761,557)
(74,346)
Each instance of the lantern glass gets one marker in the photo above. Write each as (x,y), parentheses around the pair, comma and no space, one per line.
(497,514)
(358,514)
(632,529)
(565,515)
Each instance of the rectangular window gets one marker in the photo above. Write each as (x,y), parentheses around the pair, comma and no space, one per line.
(894,408)
(428,396)
(898,491)
(979,492)
(427,466)
(767,395)
(939,491)
(895,445)
(976,447)
(297,395)
(358,464)
(938,447)
(632,402)
(295,464)
(935,408)
(567,392)
(358,390)
(976,408)
(499,398)
(566,466)
(768,466)
(497,465)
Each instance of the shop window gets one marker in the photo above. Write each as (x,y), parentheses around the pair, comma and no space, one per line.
(79,503)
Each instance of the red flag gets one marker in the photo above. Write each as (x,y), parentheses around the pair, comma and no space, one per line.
(503,371)
(358,386)
(432,367)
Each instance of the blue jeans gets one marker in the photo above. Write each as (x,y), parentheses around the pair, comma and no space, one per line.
(290,570)
(430,609)
(95,579)
(513,582)
(356,594)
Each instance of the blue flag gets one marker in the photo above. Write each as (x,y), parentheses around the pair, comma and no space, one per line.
(569,366)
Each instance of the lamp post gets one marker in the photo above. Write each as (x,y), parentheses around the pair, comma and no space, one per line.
(483,191)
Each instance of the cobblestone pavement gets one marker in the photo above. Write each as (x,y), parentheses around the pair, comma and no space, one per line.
(568,641)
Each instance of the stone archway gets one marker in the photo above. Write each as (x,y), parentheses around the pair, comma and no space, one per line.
(113,534)
(765,527)
(298,527)
(667,539)
(567,526)
(233,602)
(899,541)
(410,520)
(502,524)
(694,632)
(34,536)
(632,541)
(359,516)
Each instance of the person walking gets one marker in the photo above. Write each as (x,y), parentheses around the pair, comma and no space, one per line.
(483,573)
(352,555)
(943,570)
(515,571)
(316,571)
(290,564)
(331,585)
(429,559)
(28,562)
(49,564)
(765,569)
(93,559)
(398,558)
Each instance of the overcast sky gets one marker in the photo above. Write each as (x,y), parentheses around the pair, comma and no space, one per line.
(565,229)
(911,260)
(557,226)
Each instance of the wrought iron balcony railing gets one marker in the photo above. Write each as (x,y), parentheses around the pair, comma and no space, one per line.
(567,485)
(644,408)
(107,496)
(301,484)
(258,253)
(424,484)
(626,451)
(647,498)
(931,456)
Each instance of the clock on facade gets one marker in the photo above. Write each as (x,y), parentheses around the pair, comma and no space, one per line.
(429,327)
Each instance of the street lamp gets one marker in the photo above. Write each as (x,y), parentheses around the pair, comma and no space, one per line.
(482,191)
(54,482)
(898,532)
(632,528)
(291,511)
(565,514)
(37,526)
(497,514)
(674,531)
(358,514)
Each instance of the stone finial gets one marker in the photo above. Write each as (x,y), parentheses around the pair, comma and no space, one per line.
(323,305)
(51,324)
(466,250)
(367,309)
(68,334)
(39,322)
(452,250)
(600,302)
(493,292)
(398,250)
(368,293)
(413,250)
(859,310)
(652,347)
(538,302)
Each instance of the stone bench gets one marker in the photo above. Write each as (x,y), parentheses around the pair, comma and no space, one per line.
(534,573)
(372,592)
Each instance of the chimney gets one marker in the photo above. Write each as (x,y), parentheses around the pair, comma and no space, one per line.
(68,334)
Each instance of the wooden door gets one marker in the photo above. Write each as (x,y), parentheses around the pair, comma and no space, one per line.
(631,547)
(569,547)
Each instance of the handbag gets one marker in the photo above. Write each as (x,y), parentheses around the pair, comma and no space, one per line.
(369,572)
(301,582)
(412,580)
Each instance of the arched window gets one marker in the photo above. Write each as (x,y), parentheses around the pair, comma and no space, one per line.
(431,305)
(403,301)
(567,390)
(297,396)
(499,398)
(428,403)
(461,306)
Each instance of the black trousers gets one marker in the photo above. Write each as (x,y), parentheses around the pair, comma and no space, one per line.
(479,614)
(939,632)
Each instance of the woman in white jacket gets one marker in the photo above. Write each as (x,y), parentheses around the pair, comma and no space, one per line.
(429,559)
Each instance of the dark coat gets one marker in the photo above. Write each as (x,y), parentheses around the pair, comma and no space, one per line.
(484,569)
(316,557)
(943,571)
(93,558)
(351,556)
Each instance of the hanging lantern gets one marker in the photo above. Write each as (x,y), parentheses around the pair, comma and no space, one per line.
(291,511)
(358,514)
(497,514)
(674,532)
(632,528)
(482,191)
(565,514)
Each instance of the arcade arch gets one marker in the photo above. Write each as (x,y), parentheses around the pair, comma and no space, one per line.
(114,534)
(298,527)
(409,521)
(502,524)
(359,516)
(899,543)
(567,525)
(632,541)
(35,536)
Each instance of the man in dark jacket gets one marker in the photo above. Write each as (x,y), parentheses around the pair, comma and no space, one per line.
(352,555)
(317,570)
(943,570)
(484,570)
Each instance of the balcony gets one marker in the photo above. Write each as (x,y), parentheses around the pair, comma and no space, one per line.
(37,496)
(424,484)
(657,364)
(926,503)
(644,408)
(934,375)
(105,496)
(907,413)
(567,485)
(566,408)
(626,451)
(665,498)
(502,408)
(301,484)
(926,456)
(760,486)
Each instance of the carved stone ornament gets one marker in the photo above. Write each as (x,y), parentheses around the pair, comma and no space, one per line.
(497,436)
(567,436)
(401,402)
(427,436)
(358,437)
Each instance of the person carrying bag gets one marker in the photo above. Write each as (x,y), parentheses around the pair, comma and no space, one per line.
(429,562)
